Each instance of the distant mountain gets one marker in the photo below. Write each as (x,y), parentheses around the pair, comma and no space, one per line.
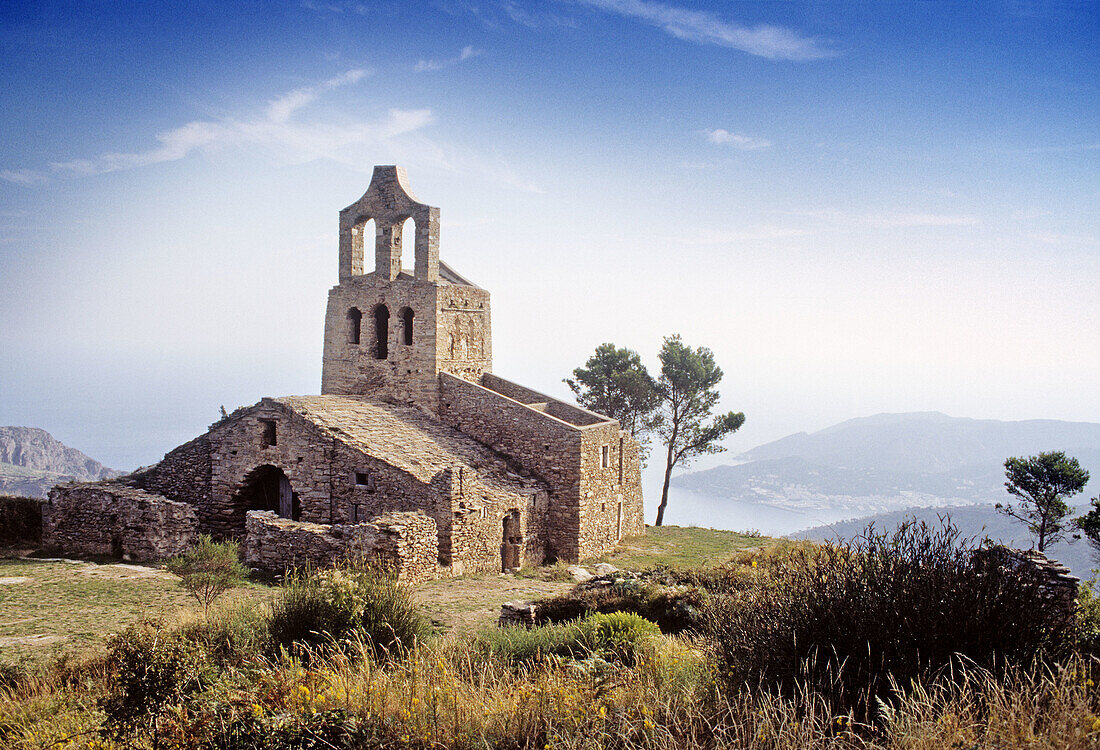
(976,521)
(888,462)
(931,442)
(32,461)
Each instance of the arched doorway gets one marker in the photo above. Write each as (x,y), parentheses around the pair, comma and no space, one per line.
(268,488)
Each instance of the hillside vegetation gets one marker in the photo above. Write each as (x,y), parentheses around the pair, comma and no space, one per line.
(346,658)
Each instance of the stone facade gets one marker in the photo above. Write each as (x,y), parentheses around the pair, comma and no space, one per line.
(108,518)
(411,420)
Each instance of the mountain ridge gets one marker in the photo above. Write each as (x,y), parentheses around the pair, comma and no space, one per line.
(888,462)
(32,461)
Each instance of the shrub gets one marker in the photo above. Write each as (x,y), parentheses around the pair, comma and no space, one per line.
(341,604)
(209,569)
(675,607)
(234,635)
(149,669)
(617,636)
(517,645)
(848,619)
(1088,618)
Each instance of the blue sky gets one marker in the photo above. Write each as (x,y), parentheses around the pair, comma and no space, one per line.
(860,207)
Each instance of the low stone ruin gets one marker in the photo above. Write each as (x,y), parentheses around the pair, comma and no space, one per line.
(404,541)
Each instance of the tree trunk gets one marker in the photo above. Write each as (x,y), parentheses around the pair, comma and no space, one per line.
(664,489)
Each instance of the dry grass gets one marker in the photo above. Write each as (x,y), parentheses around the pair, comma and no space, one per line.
(445,695)
(45,605)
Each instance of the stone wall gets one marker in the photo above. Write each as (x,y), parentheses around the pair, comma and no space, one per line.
(591,504)
(20,520)
(611,496)
(183,475)
(403,540)
(114,519)
(407,375)
(238,448)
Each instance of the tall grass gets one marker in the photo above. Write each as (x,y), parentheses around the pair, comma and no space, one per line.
(845,620)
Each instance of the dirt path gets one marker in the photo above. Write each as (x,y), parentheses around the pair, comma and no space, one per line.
(466,605)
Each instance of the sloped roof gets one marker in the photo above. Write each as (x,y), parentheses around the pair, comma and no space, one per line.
(404,437)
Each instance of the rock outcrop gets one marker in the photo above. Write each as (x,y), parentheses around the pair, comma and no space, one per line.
(32,461)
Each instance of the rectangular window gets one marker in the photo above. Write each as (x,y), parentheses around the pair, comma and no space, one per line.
(605,456)
(364,479)
(269,432)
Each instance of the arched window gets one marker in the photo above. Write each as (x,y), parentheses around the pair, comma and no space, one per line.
(407,325)
(355,325)
(381,332)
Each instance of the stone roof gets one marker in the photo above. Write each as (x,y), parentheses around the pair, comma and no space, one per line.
(404,437)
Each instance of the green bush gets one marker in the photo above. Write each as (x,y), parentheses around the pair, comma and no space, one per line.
(850,621)
(234,635)
(350,602)
(1088,618)
(517,645)
(675,607)
(149,668)
(617,636)
(209,569)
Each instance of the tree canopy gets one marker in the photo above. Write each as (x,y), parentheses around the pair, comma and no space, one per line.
(615,383)
(1042,483)
(688,392)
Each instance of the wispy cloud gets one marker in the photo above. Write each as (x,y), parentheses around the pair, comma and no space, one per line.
(24,176)
(424,66)
(537,19)
(743,142)
(275,128)
(703,27)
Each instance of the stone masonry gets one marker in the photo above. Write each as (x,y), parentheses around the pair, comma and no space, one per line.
(108,518)
(414,453)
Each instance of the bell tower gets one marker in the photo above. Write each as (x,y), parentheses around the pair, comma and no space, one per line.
(389,332)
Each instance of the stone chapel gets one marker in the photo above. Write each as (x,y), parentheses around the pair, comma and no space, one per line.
(414,453)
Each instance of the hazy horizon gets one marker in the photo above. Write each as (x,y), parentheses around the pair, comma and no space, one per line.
(860,209)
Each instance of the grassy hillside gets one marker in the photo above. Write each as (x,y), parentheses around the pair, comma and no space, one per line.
(680,547)
(50,604)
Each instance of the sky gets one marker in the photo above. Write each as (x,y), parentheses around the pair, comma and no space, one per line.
(859,207)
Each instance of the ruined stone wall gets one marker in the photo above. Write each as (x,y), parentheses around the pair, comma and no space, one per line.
(20,520)
(114,519)
(184,475)
(403,540)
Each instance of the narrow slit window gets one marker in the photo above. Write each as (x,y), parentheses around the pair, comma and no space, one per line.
(381,332)
(605,456)
(407,325)
(355,325)
(268,438)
